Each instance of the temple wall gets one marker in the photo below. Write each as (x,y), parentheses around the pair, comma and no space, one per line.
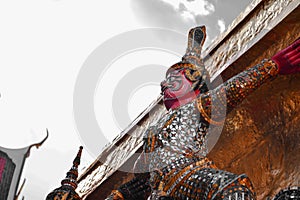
(261,137)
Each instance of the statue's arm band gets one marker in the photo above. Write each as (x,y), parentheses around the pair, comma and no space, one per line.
(115,195)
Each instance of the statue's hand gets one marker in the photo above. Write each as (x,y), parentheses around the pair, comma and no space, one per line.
(288,59)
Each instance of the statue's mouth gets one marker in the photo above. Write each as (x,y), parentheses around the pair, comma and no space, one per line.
(163,88)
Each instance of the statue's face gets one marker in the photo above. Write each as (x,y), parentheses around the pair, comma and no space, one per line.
(176,86)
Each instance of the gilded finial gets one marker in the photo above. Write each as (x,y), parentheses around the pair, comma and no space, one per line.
(69,184)
(72,174)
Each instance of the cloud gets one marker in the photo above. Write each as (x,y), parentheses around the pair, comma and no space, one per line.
(196,7)
(221,24)
(181,15)
(157,13)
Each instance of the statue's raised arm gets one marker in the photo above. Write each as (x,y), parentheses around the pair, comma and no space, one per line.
(232,92)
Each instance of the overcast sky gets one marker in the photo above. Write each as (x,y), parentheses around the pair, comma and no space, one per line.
(43,46)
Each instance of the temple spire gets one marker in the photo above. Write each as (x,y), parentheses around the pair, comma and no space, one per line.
(72,174)
(69,184)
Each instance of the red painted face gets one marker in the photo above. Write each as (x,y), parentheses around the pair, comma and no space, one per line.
(176,89)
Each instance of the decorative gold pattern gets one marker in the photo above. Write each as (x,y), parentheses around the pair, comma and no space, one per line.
(205,114)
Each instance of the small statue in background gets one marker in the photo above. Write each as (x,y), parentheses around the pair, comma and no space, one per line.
(174,158)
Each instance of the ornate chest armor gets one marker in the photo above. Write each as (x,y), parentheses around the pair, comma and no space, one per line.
(179,135)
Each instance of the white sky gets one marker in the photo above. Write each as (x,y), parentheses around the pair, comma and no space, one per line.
(43,44)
